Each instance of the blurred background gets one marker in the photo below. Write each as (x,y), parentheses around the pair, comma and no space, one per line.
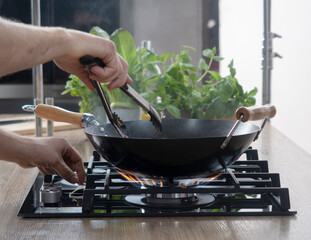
(234,27)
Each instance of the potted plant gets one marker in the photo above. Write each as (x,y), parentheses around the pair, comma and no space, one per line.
(140,61)
(193,91)
(184,89)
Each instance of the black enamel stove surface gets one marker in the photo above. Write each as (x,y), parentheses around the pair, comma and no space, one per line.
(246,189)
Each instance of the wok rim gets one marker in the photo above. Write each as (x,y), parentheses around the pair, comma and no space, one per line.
(89,130)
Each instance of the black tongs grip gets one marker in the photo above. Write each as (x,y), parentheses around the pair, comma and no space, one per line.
(89,61)
(103,99)
(155,118)
(144,104)
(136,97)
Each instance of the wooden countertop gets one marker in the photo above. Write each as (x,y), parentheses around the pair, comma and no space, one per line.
(293,164)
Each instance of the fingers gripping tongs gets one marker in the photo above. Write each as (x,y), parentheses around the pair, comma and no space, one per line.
(114,119)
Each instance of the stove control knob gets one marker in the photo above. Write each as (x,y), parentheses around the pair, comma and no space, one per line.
(50,193)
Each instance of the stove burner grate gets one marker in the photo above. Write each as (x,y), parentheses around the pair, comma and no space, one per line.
(247,188)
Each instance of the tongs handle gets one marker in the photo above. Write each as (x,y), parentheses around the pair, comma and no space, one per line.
(89,61)
(144,104)
(103,99)
(136,97)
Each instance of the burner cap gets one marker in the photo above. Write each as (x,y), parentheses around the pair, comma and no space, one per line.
(191,202)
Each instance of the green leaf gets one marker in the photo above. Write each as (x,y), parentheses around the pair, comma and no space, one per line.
(148,56)
(125,46)
(187,66)
(215,210)
(250,101)
(173,110)
(214,50)
(153,78)
(172,68)
(164,57)
(152,68)
(137,68)
(217,58)
(208,53)
(253,92)
(161,81)
(193,77)
(202,65)
(226,89)
(239,88)
(189,48)
(185,57)
(149,96)
(239,196)
(232,69)
(99,32)
(215,75)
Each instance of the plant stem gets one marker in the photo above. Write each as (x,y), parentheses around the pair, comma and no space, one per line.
(207,70)
(203,75)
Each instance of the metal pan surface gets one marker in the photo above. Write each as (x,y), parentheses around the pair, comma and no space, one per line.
(186,147)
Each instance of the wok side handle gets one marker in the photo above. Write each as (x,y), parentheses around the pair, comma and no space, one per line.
(244,114)
(256,112)
(58,114)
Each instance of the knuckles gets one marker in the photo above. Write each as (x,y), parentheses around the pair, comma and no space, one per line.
(111,47)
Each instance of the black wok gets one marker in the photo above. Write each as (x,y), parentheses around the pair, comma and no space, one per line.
(186,147)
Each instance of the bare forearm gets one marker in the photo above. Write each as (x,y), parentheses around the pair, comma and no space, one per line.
(50,155)
(12,147)
(23,46)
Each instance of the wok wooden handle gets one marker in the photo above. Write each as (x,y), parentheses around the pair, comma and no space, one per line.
(256,112)
(58,114)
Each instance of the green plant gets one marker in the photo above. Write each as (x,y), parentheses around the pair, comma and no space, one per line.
(140,61)
(202,92)
(180,85)
(77,89)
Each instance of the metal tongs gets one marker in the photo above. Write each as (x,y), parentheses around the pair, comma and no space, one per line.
(114,119)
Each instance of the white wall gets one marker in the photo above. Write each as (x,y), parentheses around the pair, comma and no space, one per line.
(241,34)
(169,24)
(291,87)
(241,38)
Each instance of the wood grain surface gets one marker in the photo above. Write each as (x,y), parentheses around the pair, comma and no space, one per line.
(293,164)
(28,127)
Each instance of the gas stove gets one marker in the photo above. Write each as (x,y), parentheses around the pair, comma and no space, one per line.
(245,189)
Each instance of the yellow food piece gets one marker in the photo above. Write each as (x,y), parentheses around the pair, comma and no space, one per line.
(145,116)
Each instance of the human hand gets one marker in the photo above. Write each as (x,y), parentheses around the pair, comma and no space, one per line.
(80,44)
(54,156)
